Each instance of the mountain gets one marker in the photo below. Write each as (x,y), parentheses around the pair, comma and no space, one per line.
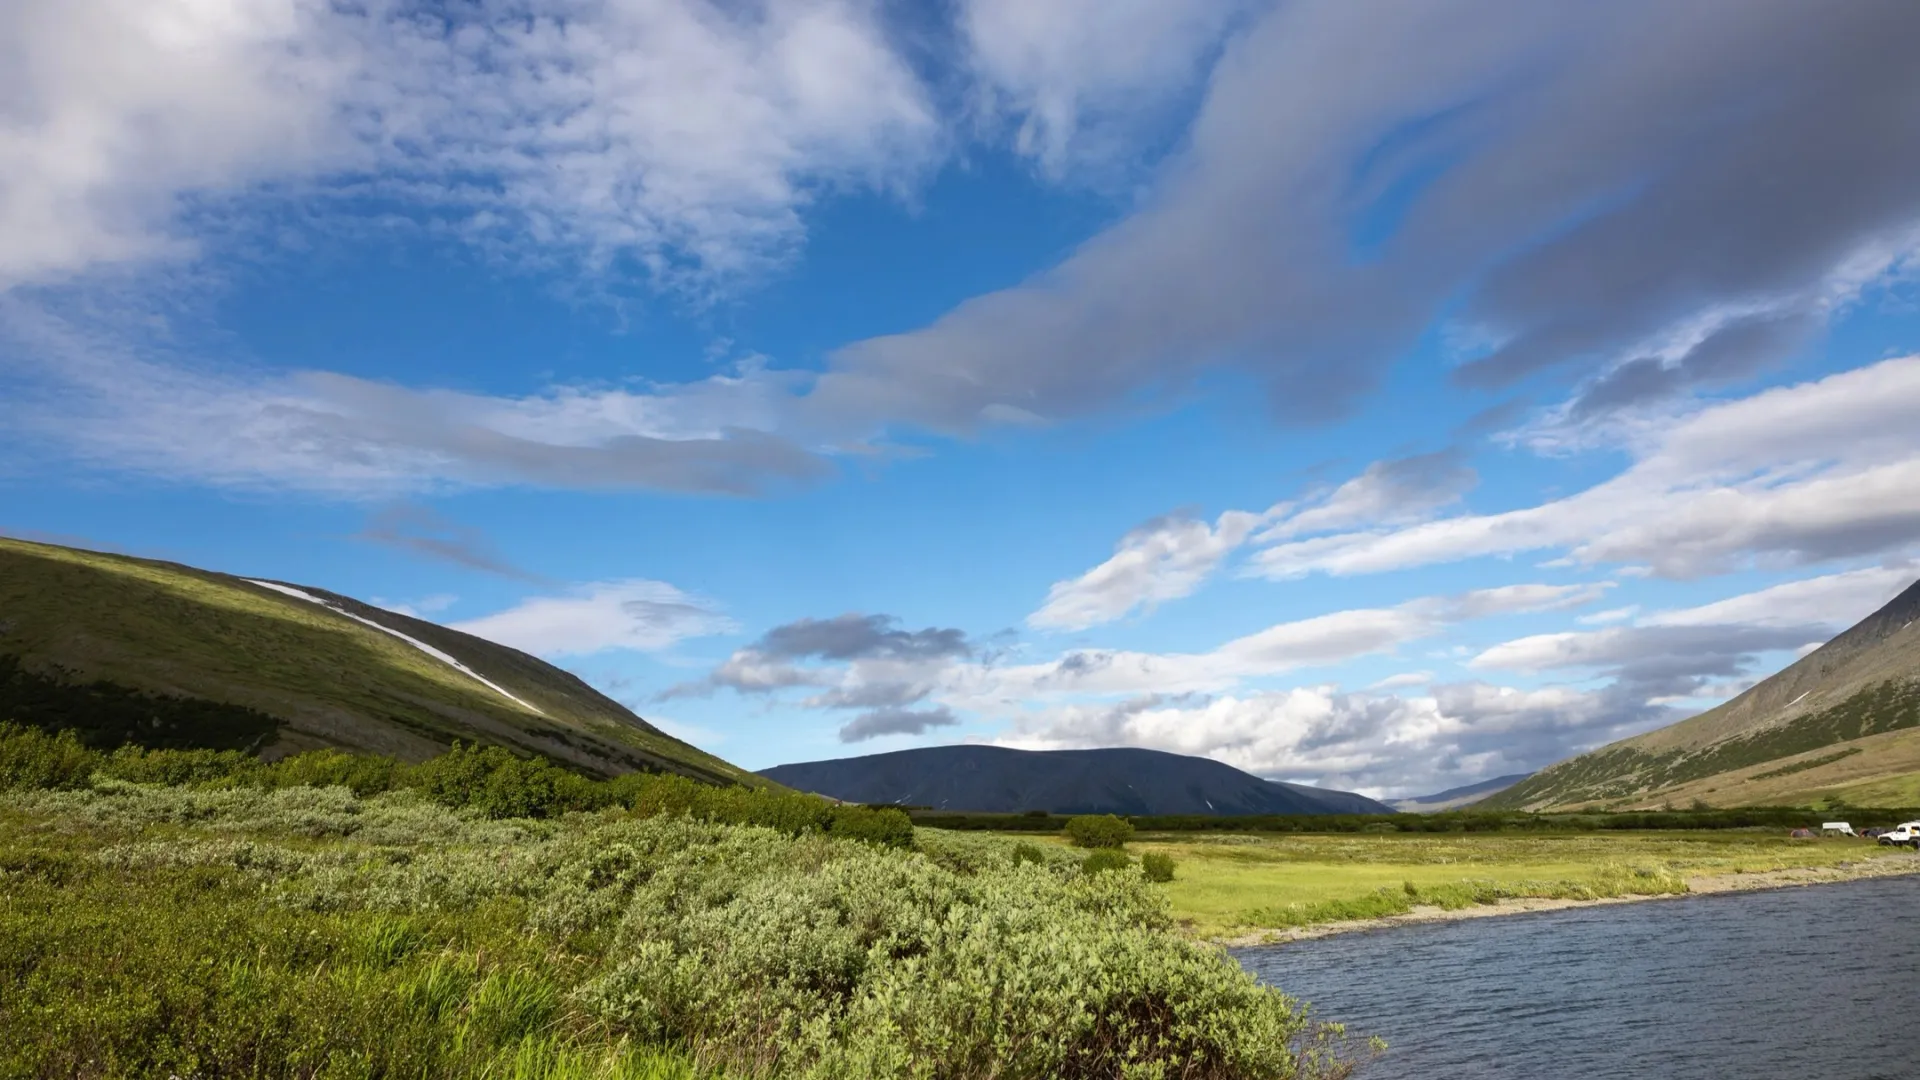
(163,654)
(1453,798)
(992,779)
(1842,722)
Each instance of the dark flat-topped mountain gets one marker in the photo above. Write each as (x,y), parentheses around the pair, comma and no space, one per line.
(992,779)
(1841,723)
(120,649)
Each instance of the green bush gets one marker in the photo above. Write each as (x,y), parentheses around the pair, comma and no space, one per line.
(1158,868)
(1098,831)
(1028,853)
(306,932)
(143,766)
(30,758)
(884,826)
(1101,860)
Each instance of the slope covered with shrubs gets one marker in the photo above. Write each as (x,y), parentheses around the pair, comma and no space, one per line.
(164,914)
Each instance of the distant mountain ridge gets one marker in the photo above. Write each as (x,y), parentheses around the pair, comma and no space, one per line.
(1843,721)
(1455,797)
(1119,780)
(196,657)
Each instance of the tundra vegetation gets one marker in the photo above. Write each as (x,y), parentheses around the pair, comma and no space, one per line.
(1237,884)
(200,914)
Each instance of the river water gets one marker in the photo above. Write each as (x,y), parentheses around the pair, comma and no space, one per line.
(1819,982)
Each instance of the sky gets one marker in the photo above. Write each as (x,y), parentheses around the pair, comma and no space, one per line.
(1386,396)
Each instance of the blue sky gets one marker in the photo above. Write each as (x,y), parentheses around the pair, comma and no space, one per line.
(1384,396)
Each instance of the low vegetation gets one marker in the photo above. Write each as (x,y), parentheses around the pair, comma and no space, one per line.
(1231,885)
(199,914)
(1626,772)
(1098,831)
(1452,821)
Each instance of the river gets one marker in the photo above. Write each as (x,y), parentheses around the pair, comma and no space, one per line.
(1820,982)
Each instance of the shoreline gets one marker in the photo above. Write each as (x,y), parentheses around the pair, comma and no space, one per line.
(1704,885)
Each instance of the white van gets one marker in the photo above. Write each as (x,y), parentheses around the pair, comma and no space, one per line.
(1836,828)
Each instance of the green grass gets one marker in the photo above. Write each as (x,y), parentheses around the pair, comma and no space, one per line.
(1902,790)
(237,929)
(1236,883)
(108,625)
(1624,772)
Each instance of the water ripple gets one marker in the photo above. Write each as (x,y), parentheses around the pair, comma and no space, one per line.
(1790,984)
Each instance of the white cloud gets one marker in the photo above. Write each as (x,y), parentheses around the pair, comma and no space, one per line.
(1084,76)
(1171,556)
(1387,493)
(1611,615)
(636,614)
(1834,600)
(112,112)
(1319,641)
(1379,744)
(683,133)
(1164,559)
(1821,470)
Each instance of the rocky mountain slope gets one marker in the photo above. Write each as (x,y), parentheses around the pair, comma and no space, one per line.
(1843,721)
(992,779)
(126,649)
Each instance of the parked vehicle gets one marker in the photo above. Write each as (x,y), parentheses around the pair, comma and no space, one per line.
(1905,834)
(1836,828)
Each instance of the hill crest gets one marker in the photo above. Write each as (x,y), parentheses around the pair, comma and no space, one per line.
(1118,780)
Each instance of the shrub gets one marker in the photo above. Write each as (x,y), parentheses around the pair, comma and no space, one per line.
(1102,860)
(1028,853)
(394,936)
(30,758)
(884,826)
(175,767)
(1098,831)
(1158,868)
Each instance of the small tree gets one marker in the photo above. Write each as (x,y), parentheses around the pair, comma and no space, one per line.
(1158,867)
(1098,831)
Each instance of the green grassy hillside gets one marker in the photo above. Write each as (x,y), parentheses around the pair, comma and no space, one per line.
(163,654)
(1835,724)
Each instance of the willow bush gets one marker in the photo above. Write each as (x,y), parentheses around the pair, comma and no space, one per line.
(268,929)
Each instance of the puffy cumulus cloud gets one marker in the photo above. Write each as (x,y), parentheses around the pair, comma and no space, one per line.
(1381,744)
(1085,78)
(1164,559)
(113,112)
(1800,474)
(683,133)
(879,722)
(634,614)
(861,661)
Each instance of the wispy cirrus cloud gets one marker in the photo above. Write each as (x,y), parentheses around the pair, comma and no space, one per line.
(422,531)
(1802,474)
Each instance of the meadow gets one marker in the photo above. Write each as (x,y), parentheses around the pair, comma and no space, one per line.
(1232,884)
(195,914)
